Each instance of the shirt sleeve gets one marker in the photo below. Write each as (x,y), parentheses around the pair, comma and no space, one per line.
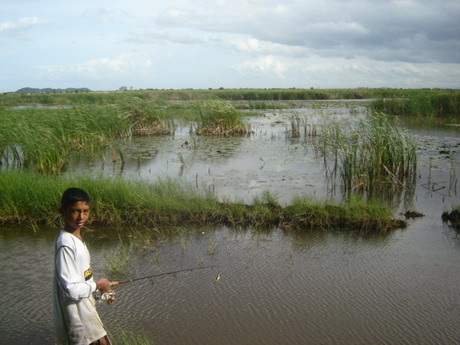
(69,276)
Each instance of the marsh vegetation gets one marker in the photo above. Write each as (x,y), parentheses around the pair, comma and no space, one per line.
(444,106)
(46,139)
(254,98)
(364,156)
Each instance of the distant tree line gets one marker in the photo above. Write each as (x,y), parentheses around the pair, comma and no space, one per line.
(51,90)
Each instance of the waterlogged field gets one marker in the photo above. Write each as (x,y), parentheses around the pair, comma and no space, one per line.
(266,285)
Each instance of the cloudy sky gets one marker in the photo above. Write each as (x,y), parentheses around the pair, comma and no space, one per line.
(179,44)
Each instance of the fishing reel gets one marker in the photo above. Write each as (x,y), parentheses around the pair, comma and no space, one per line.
(107,297)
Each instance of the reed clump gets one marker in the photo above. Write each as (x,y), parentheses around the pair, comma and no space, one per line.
(219,118)
(30,198)
(146,117)
(369,156)
(44,140)
(295,123)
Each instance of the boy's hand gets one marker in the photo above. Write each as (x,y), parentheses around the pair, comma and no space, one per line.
(103,285)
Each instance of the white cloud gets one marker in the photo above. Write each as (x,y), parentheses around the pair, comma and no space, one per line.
(124,64)
(22,23)
(257,47)
(18,28)
(151,37)
(176,17)
(264,65)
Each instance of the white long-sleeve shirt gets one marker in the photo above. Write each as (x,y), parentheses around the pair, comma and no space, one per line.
(76,317)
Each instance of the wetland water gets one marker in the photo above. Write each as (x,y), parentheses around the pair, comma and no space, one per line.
(274,287)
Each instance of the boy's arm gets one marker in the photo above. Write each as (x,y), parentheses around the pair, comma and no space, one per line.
(70,277)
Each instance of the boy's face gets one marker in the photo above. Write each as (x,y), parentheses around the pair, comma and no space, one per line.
(75,216)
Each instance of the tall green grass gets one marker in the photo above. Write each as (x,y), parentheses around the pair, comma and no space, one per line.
(370,156)
(443,105)
(31,198)
(46,139)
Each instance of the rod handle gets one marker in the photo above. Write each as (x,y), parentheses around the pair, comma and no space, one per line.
(114,283)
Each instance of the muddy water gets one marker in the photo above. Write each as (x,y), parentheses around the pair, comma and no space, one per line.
(274,287)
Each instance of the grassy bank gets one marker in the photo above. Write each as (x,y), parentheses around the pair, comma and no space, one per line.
(31,199)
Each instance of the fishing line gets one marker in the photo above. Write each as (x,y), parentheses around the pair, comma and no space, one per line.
(116,283)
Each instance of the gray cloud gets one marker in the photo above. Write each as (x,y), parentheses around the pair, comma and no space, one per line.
(416,31)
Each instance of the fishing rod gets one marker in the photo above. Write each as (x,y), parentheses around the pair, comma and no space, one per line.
(109,297)
(116,283)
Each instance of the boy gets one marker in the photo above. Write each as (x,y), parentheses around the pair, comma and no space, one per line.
(75,314)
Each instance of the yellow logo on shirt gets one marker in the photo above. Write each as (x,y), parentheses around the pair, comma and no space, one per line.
(88,273)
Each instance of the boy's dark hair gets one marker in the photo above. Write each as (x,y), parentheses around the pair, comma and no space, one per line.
(73,195)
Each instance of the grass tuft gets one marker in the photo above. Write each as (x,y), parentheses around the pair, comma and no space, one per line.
(219,118)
